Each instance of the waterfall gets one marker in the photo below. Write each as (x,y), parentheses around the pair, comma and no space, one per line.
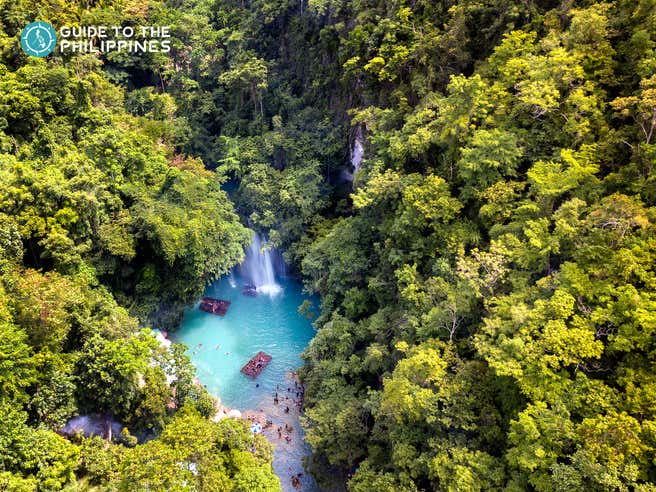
(258,267)
(357,151)
(357,155)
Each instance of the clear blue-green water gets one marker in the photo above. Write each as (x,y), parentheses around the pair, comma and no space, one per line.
(220,345)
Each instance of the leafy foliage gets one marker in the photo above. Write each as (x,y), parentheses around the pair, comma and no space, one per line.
(106,225)
(487,279)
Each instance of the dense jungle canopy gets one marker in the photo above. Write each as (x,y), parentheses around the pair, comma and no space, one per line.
(487,276)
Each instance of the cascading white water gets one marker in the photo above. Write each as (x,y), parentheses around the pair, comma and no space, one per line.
(357,151)
(258,267)
(357,155)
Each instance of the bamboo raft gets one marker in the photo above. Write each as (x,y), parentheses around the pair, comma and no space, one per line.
(256,365)
(214,306)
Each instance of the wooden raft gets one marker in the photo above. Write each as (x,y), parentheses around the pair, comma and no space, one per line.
(256,365)
(214,306)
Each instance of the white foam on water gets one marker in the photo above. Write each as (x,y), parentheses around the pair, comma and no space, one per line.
(270,289)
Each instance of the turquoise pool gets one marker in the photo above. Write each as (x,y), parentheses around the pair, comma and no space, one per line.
(220,346)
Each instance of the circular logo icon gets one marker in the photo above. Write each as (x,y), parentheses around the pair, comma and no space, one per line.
(38,39)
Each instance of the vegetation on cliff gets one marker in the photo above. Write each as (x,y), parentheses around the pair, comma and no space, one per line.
(487,281)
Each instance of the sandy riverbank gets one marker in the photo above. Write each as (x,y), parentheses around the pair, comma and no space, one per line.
(290,447)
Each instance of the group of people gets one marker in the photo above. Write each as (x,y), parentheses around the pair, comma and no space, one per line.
(256,364)
(255,418)
(296,396)
(288,429)
(287,396)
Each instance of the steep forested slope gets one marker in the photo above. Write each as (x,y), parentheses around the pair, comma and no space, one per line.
(488,307)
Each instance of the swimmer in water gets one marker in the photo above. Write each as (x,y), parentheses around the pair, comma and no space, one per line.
(227,353)
(218,347)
